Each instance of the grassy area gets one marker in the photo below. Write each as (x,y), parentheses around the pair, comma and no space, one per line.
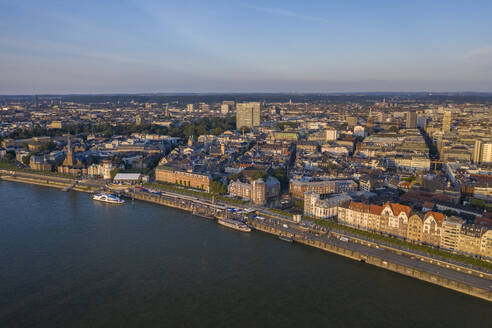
(477,203)
(401,243)
(5,165)
(233,201)
(281,212)
(178,189)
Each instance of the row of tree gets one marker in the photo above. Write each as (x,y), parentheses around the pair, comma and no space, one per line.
(195,128)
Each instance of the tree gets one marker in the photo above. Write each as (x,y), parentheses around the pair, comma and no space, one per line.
(10,155)
(113,173)
(233,176)
(26,159)
(258,175)
(218,188)
(281,176)
(450,212)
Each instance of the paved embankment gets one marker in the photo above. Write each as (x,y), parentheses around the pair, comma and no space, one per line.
(410,266)
(46,180)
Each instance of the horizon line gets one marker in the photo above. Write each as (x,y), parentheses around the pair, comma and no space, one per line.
(170,93)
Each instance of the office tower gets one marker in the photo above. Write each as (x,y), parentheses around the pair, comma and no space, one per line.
(189,108)
(446,122)
(36,102)
(248,115)
(477,151)
(411,120)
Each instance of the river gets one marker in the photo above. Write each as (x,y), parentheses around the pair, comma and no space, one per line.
(67,261)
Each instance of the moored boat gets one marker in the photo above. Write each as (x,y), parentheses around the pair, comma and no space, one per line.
(234,224)
(108,198)
(285,238)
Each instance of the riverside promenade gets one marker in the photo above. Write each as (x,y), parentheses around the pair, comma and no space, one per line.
(438,272)
(52,181)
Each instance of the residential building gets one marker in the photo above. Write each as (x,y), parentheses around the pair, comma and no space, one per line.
(224,108)
(101,170)
(414,228)
(450,233)
(431,229)
(394,219)
(486,244)
(259,191)
(331,135)
(320,207)
(361,216)
(297,188)
(470,239)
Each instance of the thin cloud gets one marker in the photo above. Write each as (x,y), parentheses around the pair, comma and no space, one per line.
(480,59)
(480,53)
(287,13)
(42,47)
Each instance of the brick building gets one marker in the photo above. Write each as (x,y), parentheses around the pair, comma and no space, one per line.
(187,179)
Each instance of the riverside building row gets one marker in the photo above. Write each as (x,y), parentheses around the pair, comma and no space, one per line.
(432,228)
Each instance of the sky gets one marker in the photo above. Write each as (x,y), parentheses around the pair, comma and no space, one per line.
(135,46)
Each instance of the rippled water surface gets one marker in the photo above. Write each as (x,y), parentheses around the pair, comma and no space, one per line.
(67,261)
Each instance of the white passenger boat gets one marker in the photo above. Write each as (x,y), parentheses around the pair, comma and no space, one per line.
(108,198)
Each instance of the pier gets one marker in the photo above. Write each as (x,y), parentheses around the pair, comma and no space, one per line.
(186,203)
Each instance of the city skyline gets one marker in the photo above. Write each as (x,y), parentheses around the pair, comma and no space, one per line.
(130,47)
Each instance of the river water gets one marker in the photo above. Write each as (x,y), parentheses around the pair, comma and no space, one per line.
(67,261)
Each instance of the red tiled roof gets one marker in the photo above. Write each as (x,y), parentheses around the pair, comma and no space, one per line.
(360,207)
(398,208)
(483,221)
(376,209)
(439,217)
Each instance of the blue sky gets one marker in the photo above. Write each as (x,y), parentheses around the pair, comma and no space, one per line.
(244,46)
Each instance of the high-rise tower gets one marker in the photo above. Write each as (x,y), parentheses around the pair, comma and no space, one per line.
(248,115)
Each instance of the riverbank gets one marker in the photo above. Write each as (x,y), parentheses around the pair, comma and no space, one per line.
(62,183)
(461,281)
(372,254)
